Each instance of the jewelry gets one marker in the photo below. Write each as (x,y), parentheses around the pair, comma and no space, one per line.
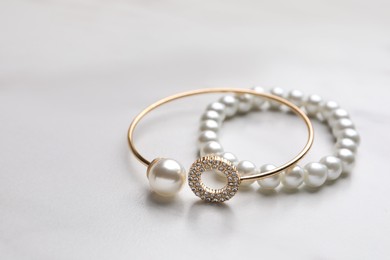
(313,174)
(166,176)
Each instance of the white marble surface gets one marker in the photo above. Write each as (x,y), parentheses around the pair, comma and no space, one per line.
(74,73)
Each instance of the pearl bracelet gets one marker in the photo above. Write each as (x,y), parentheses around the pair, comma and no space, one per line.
(313,174)
(167,176)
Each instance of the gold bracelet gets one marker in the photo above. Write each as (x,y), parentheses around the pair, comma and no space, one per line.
(167,176)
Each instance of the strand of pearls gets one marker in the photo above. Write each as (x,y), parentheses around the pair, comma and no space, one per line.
(313,174)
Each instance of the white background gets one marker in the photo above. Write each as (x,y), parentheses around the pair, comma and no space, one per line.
(74,73)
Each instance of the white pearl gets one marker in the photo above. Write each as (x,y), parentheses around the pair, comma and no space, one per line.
(312,105)
(212,147)
(230,157)
(207,136)
(296,97)
(258,102)
(327,108)
(342,124)
(293,177)
(334,166)
(347,143)
(337,115)
(276,92)
(349,133)
(209,124)
(246,168)
(231,105)
(315,174)
(271,182)
(166,176)
(218,107)
(212,115)
(245,103)
(347,158)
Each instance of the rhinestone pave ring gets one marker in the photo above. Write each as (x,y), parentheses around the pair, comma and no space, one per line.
(214,164)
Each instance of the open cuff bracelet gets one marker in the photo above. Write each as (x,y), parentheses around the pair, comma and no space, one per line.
(167,176)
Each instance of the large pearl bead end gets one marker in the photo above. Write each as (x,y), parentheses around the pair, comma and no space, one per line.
(166,176)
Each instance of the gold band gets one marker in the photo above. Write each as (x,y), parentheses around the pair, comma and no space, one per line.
(283,101)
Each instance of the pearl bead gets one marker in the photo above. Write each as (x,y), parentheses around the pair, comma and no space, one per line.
(246,168)
(231,105)
(258,102)
(312,105)
(212,147)
(230,157)
(315,174)
(347,158)
(327,108)
(349,133)
(207,136)
(296,97)
(293,177)
(245,103)
(347,143)
(166,176)
(271,182)
(337,115)
(218,107)
(277,92)
(334,166)
(342,124)
(212,115)
(209,124)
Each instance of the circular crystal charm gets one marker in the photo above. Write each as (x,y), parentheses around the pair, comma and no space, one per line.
(214,164)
